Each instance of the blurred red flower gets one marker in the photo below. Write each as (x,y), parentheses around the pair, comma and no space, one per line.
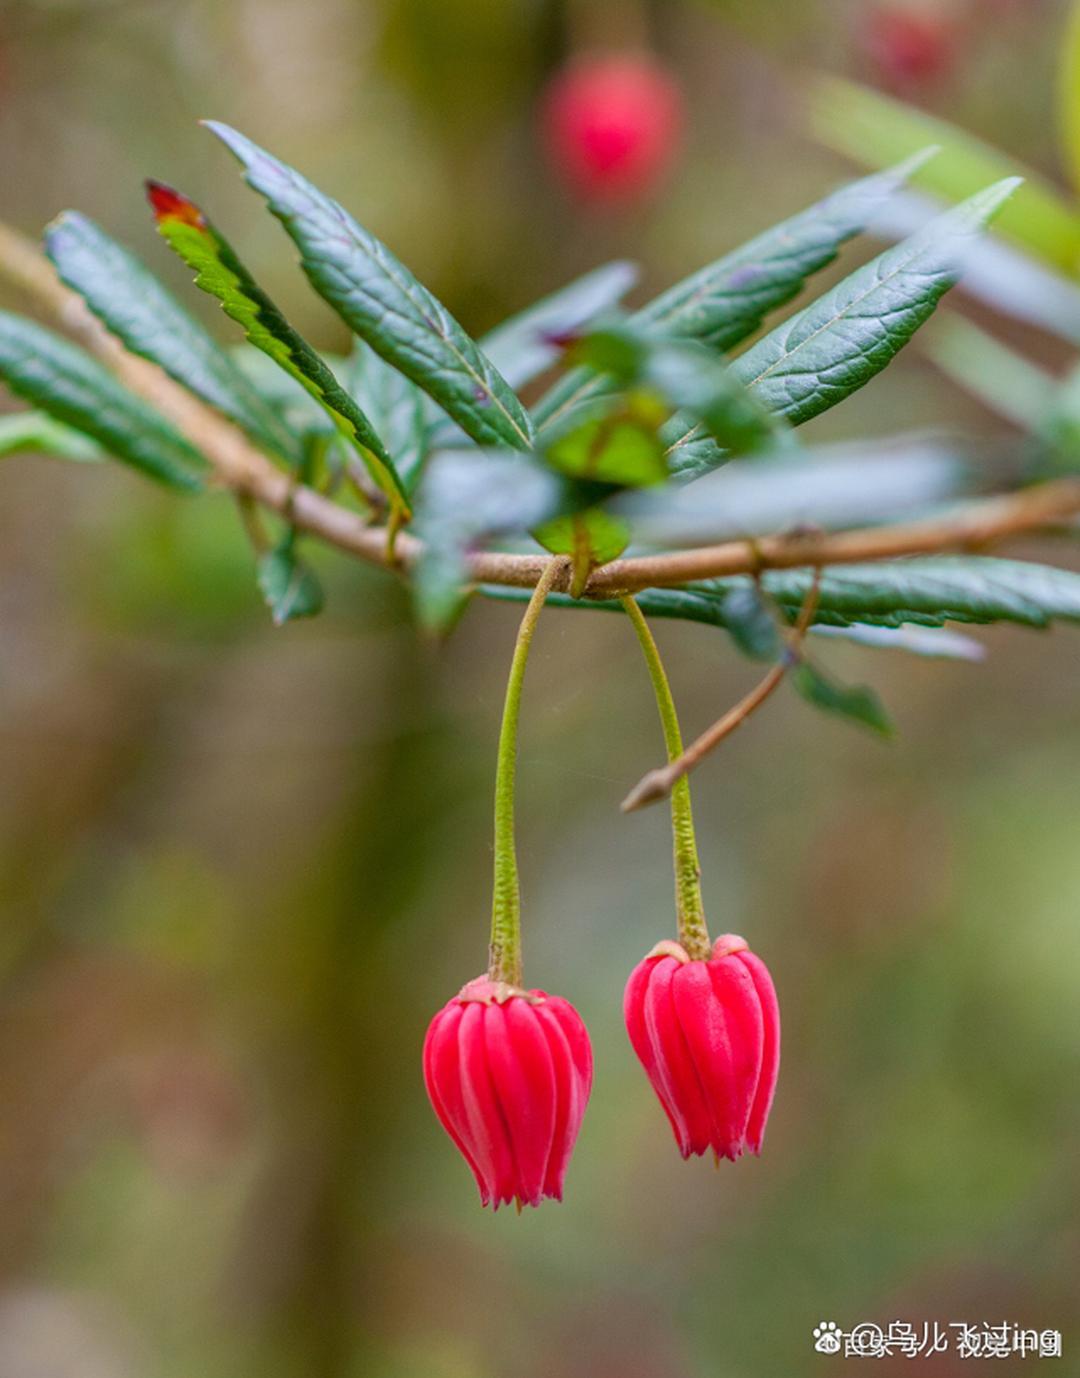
(612,126)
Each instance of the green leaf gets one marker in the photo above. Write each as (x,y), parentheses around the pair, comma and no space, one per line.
(75,389)
(280,390)
(381,301)
(469,497)
(857,702)
(724,611)
(687,376)
(725,302)
(874,129)
(591,538)
(220,273)
(290,588)
(528,343)
(751,622)
(612,440)
(32,432)
(838,343)
(928,590)
(398,409)
(134,306)
(846,337)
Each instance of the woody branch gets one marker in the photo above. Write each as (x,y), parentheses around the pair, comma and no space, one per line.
(246,471)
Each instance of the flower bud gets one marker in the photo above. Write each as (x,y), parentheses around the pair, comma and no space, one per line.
(708,1035)
(508,1073)
(910,46)
(611,126)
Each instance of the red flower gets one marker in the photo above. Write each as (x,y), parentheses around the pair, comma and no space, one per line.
(909,46)
(708,1035)
(611,126)
(508,1072)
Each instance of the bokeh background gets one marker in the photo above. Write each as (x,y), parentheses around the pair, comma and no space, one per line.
(240,867)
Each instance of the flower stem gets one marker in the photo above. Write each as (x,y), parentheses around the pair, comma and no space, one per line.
(693,932)
(504,956)
(658,784)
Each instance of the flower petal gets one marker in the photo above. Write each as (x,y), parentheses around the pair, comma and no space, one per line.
(442,1077)
(488,1139)
(519,1058)
(714,1037)
(570,1097)
(677,1081)
(770,1058)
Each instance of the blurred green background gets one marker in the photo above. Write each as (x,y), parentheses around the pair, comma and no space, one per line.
(241,867)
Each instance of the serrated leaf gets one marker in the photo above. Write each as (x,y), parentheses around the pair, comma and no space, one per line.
(469,497)
(857,702)
(687,376)
(383,303)
(528,343)
(135,307)
(32,432)
(842,340)
(845,338)
(65,382)
(925,590)
(724,303)
(398,409)
(280,390)
(219,272)
(873,128)
(291,589)
(998,273)
(715,610)
(591,538)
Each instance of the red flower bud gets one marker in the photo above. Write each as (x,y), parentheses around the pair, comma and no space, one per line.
(708,1035)
(508,1073)
(910,46)
(611,126)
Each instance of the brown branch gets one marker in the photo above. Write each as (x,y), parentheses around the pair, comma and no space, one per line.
(659,783)
(239,466)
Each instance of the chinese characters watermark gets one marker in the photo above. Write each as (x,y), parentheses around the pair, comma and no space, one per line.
(1005,1340)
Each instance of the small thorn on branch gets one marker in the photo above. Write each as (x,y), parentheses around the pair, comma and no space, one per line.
(659,783)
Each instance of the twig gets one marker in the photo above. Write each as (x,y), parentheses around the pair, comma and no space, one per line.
(659,783)
(689,906)
(239,466)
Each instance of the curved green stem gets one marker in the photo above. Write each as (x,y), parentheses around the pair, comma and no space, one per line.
(504,956)
(693,932)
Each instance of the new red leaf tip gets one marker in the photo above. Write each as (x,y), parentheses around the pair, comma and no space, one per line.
(169,204)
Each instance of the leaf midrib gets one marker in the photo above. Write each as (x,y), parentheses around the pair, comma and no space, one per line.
(350,226)
(829,324)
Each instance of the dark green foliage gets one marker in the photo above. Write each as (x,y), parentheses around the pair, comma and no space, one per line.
(648,404)
(71,387)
